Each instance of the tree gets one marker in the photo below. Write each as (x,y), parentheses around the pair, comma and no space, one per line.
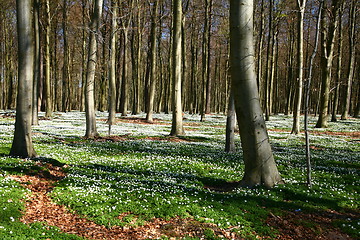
(230,126)
(22,145)
(329,28)
(177,118)
(48,99)
(151,94)
(300,60)
(260,167)
(91,131)
(352,48)
(112,74)
(36,82)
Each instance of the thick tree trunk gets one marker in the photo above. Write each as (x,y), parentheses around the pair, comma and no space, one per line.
(91,130)
(22,145)
(177,118)
(260,167)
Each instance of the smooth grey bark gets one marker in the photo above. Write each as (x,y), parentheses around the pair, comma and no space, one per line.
(22,145)
(177,117)
(91,130)
(300,61)
(260,166)
(112,72)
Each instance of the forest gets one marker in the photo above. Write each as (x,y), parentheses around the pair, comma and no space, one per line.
(120,119)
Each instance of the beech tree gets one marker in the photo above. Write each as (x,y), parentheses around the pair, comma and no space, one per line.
(91,130)
(22,145)
(260,166)
(177,118)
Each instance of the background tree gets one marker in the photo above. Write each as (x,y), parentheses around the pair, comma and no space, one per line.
(329,26)
(91,130)
(112,73)
(22,145)
(300,61)
(260,167)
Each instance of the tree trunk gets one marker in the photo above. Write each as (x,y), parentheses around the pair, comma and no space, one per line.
(48,100)
(338,72)
(327,53)
(300,61)
(36,82)
(352,48)
(65,76)
(230,125)
(91,131)
(112,74)
(151,96)
(22,145)
(177,118)
(260,167)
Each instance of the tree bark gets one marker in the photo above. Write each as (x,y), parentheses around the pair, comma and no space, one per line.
(327,53)
(352,48)
(260,167)
(22,145)
(48,100)
(91,130)
(230,126)
(36,82)
(112,74)
(151,96)
(177,118)
(300,60)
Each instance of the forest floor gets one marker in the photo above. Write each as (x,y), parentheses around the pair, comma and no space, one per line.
(139,183)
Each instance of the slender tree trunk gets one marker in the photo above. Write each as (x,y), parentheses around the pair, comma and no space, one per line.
(151,96)
(208,55)
(112,74)
(36,82)
(307,98)
(48,100)
(177,118)
(65,76)
(352,48)
(91,131)
(22,145)
(260,167)
(230,126)
(338,72)
(300,61)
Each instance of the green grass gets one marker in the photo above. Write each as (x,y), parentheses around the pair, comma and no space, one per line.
(161,179)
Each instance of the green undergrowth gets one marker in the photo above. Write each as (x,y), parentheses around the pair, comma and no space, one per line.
(12,197)
(140,178)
